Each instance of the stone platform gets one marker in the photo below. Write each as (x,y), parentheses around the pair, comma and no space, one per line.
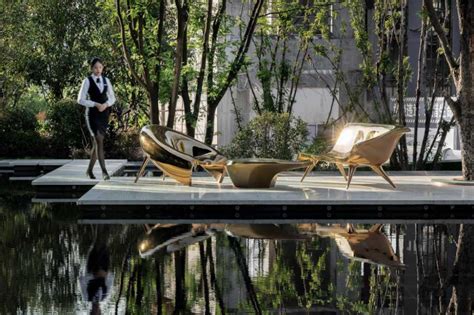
(69,182)
(320,196)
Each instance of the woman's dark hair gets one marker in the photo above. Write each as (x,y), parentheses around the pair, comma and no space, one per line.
(95,60)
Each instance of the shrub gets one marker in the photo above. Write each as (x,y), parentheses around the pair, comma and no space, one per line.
(270,135)
(60,133)
(65,127)
(19,136)
(318,146)
(122,144)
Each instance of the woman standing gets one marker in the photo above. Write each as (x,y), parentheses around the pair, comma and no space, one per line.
(97,95)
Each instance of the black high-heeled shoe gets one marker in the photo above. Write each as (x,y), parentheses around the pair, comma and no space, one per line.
(90,174)
(105,176)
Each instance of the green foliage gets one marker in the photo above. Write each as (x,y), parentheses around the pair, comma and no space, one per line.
(282,46)
(270,135)
(318,146)
(122,144)
(33,100)
(65,127)
(19,134)
(50,40)
(313,261)
(361,37)
(279,285)
(60,132)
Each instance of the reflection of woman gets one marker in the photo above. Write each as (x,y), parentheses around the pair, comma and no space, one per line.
(97,96)
(97,281)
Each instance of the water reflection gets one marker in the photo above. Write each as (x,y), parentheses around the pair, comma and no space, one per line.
(365,245)
(50,264)
(97,281)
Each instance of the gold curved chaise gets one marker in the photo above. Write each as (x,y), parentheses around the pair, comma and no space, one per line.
(360,145)
(177,154)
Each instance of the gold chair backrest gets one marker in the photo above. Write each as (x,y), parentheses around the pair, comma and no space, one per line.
(378,149)
(355,133)
(158,140)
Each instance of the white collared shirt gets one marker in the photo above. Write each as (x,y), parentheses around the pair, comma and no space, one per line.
(83,97)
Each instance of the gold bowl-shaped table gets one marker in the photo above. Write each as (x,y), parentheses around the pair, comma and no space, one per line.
(259,173)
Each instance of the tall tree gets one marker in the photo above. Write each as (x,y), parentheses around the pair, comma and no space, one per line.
(217,90)
(142,33)
(182,15)
(282,50)
(49,41)
(192,109)
(461,69)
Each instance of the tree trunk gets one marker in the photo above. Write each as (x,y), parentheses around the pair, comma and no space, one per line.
(155,110)
(211,112)
(205,282)
(180,271)
(182,13)
(403,156)
(235,66)
(188,114)
(461,70)
(420,65)
(153,106)
(463,272)
(191,121)
(466,123)
(159,281)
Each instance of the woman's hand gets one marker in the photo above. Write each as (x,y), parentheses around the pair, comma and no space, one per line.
(101,107)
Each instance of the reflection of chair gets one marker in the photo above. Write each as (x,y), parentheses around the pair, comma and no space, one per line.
(370,246)
(360,145)
(177,154)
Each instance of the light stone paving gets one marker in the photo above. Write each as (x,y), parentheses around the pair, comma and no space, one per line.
(74,173)
(43,162)
(321,188)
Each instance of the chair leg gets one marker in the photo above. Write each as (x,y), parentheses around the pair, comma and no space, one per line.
(352,170)
(221,178)
(309,169)
(340,167)
(380,171)
(218,172)
(142,168)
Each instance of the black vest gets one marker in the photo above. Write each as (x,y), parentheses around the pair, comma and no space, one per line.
(94,92)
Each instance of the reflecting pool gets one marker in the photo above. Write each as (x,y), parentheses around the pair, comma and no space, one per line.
(50,264)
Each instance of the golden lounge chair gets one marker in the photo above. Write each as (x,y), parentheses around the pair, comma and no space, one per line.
(360,145)
(176,154)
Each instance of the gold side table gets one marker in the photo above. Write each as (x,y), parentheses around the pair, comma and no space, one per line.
(259,173)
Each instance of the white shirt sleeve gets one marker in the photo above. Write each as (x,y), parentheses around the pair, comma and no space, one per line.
(82,97)
(110,94)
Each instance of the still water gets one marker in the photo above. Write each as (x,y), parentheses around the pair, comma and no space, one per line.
(50,264)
